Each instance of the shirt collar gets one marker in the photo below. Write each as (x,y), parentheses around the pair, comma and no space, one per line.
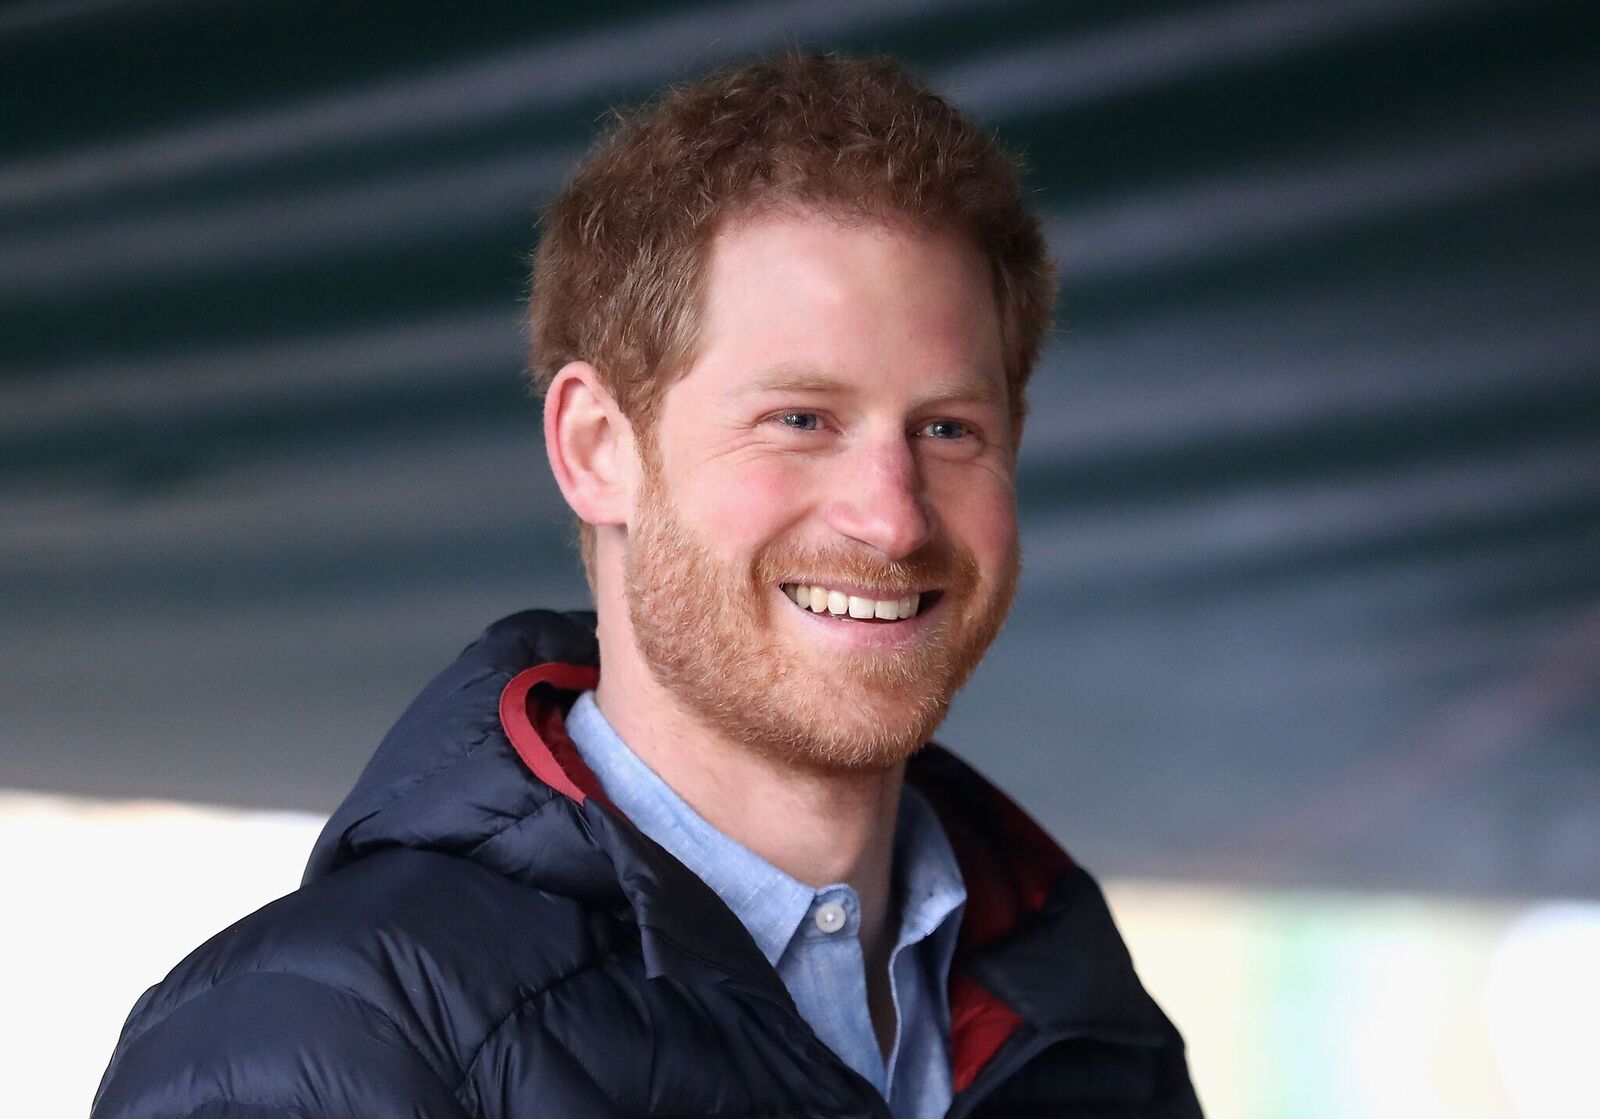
(929,887)
(770,903)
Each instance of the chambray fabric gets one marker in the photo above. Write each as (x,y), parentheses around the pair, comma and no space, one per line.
(823,971)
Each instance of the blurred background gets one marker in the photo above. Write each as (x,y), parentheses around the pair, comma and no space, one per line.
(1306,664)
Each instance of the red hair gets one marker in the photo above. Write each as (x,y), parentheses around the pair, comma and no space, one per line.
(620,267)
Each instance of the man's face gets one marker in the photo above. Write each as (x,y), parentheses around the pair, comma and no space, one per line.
(841,446)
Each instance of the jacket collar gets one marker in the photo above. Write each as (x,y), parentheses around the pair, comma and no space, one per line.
(448,778)
(681,920)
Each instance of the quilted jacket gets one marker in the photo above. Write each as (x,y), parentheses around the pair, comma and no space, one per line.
(480,933)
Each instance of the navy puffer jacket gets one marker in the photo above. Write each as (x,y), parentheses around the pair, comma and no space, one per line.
(481,934)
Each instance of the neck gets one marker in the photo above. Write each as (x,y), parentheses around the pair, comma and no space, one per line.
(818,827)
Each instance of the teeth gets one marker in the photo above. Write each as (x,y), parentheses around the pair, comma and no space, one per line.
(820,600)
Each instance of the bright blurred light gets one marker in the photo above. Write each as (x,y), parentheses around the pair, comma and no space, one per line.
(102,899)
(1331,1005)
(1297,1004)
(1544,993)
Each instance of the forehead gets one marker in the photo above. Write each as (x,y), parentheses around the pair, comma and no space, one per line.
(861,301)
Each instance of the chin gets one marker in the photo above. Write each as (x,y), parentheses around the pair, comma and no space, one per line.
(849,738)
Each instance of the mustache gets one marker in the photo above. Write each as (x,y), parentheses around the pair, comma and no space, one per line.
(935,566)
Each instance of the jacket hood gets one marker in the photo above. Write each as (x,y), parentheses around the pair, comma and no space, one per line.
(446,778)
(479,767)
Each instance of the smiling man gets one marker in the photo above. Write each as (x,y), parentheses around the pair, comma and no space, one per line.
(783,321)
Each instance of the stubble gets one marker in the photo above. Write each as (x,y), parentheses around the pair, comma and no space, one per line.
(706,633)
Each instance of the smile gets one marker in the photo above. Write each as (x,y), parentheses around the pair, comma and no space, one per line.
(822,600)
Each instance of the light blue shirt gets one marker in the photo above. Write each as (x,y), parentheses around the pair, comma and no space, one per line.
(812,936)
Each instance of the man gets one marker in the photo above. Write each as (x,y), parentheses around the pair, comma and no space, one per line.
(783,320)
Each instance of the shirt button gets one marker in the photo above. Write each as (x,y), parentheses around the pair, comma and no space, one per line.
(830,917)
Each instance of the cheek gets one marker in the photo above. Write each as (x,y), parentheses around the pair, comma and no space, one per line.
(743,509)
(982,516)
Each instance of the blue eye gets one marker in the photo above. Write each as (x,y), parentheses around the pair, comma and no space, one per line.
(946,429)
(800,421)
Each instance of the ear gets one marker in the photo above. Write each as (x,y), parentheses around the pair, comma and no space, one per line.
(590,445)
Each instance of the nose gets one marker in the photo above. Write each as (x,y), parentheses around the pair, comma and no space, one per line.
(878,500)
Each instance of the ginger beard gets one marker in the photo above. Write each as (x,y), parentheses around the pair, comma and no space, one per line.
(705,630)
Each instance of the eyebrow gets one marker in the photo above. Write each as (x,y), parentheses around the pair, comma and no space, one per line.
(791,378)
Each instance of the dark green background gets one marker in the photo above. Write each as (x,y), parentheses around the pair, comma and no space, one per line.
(1311,491)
